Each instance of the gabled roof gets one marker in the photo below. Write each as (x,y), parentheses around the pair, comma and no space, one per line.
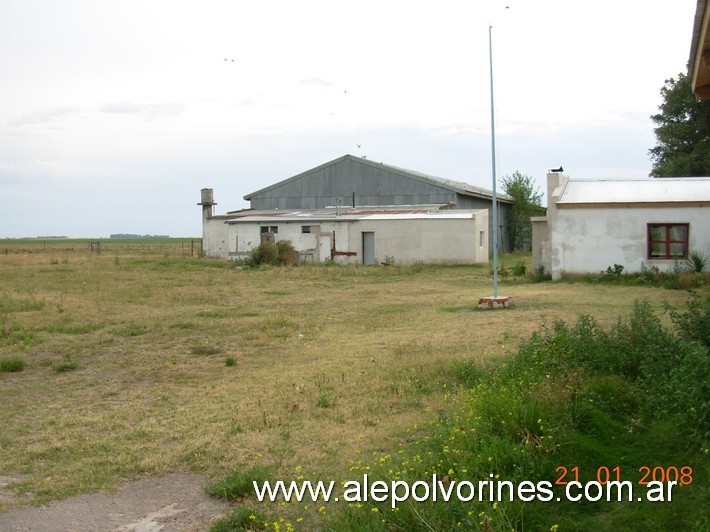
(668,190)
(449,184)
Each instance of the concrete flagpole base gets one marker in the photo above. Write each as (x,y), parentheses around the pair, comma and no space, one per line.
(494,302)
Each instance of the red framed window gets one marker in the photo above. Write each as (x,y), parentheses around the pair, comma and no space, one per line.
(667,241)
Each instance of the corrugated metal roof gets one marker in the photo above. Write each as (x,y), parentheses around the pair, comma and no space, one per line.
(458,186)
(344,214)
(449,184)
(657,190)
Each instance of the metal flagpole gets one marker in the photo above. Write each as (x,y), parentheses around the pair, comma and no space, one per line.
(493,164)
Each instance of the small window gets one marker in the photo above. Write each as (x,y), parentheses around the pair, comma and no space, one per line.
(668,241)
(305,229)
(481,238)
(269,229)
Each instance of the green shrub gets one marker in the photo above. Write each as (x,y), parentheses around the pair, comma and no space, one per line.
(204,349)
(230,361)
(239,484)
(240,518)
(520,268)
(614,271)
(694,323)
(579,395)
(11,364)
(67,365)
(539,275)
(324,401)
(281,253)
(287,254)
(697,261)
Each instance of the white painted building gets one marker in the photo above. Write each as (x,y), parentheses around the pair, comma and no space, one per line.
(360,235)
(593,224)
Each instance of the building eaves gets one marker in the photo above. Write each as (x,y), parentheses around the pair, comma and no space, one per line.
(696,43)
(340,214)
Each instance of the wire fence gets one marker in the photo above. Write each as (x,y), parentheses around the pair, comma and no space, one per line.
(190,247)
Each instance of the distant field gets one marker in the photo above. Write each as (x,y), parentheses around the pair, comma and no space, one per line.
(116,246)
(139,365)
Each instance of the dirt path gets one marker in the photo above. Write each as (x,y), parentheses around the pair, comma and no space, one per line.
(175,502)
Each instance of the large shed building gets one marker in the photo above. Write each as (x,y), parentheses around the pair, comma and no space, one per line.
(417,217)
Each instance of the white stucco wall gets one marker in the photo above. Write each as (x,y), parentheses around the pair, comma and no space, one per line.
(434,239)
(214,237)
(587,240)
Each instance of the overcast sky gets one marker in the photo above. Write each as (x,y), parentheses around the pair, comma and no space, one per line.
(114,114)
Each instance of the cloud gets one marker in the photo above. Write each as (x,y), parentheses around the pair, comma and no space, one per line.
(44,117)
(315,81)
(147,111)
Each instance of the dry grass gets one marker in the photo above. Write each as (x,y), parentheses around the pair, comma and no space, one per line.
(330,362)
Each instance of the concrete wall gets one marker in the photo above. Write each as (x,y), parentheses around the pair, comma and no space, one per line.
(504,209)
(592,239)
(573,239)
(541,245)
(215,237)
(429,240)
(432,241)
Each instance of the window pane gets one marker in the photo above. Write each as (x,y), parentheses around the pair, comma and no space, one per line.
(679,233)
(678,250)
(657,233)
(658,250)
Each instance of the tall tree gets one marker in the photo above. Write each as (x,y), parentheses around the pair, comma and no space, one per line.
(682,133)
(528,202)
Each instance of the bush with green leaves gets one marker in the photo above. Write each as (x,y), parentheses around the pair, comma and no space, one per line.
(281,253)
(12,364)
(697,261)
(240,483)
(576,396)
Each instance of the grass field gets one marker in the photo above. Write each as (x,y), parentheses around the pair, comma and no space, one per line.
(61,249)
(140,365)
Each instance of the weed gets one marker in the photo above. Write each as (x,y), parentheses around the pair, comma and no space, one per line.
(278,327)
(520,268)
(9,304)
(239,484)
(324,400)
(469,372)
(614,272)
(539,275)
(67,328)
(67,365)
(205,349)
(581,395)
(230,361)
(240,518)
(131,329)
(697,261)
(11,364)
(417,267)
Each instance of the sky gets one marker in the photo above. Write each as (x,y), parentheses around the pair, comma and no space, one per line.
(114,114)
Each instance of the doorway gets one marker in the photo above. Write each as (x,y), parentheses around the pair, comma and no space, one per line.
(368,247)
